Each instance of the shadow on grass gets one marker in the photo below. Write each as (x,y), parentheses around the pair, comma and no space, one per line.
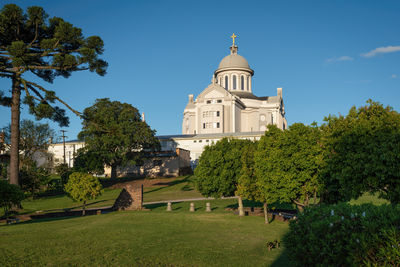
(282,260)
(163,185)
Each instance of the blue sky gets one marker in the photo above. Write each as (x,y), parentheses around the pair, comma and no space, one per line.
(326,55)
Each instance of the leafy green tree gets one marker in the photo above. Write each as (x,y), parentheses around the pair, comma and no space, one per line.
(247,183)
(288,164)
(30,43)
(115,131)
(362,153)
(34,138)
(88,161)
(219,169)
(10,195)
(83,187)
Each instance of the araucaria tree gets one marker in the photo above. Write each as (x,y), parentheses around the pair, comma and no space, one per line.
(288,163)
(47,48)
(115,132)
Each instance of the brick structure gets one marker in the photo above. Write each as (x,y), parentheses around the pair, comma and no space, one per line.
(130,198)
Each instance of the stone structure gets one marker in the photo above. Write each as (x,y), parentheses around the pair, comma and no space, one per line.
(130,198)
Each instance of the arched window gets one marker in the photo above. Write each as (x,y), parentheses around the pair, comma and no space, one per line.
(242,82)
(226,82)
(234,82)
(248,88)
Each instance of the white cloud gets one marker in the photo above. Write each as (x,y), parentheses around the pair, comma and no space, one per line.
(342,58)
(394,76)
(381,50)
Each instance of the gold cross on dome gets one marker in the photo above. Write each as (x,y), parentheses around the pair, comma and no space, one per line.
(233,38)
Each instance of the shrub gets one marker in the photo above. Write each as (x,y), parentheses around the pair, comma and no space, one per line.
(345,235)
(10,195)
(33,178)
(64,171)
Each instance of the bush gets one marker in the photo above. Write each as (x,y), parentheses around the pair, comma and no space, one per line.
(33,178)
(64,171)
(345,235)
(10,195)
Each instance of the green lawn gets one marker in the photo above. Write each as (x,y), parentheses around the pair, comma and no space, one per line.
(147,238)
(180,188)
(48,204)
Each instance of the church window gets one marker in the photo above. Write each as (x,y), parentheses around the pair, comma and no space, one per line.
(272,118)
(248,88)
(204,125)
(226,82)
(242,82)
(207,141)
(234,82)
(220,81)
(200,141)
(219,101)
(217,114)
(217,124)
(194,141)
(208,101)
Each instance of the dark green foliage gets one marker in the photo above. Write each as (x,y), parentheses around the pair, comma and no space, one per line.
(219,167)
(3,171)
(115,132)
(88,161)
(362,154)
(47,48)
(33,178)
(287,164)
(64,171)
(345,235)
(10,195)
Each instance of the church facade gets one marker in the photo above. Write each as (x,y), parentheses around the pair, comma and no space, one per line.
(227,108)
(228,104)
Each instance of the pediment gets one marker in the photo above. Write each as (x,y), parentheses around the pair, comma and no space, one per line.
(214,91)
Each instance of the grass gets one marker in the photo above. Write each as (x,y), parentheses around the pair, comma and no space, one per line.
(148,238)
(52,203)
(180,188)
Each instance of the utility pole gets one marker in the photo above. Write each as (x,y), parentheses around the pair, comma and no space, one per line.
(63,137)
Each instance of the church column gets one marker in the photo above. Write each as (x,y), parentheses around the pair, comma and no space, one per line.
(249,84)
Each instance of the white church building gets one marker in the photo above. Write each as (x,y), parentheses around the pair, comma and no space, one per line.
(226,108)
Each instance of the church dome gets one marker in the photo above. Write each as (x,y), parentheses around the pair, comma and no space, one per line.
(234,61)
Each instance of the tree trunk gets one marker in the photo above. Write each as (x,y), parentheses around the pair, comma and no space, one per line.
(113,171)
(265,206)
(15,114)
(240,209)
(84,208)
(315,196)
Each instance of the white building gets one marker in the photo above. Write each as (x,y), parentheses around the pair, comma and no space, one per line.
(227,108)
